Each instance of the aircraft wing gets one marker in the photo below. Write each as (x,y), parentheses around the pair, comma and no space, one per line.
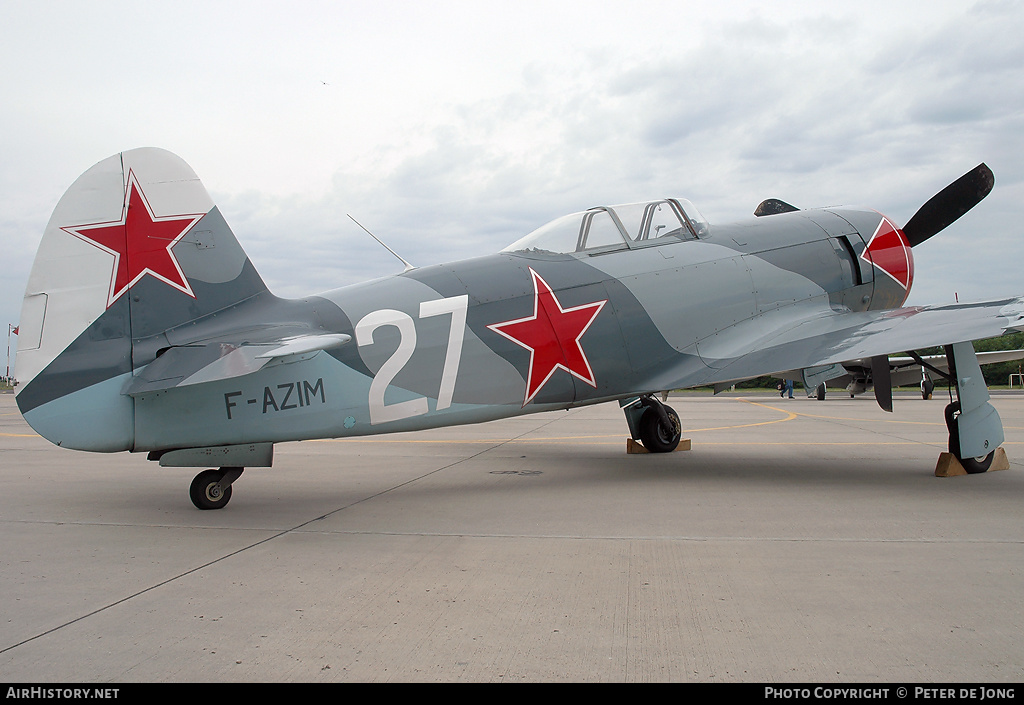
(819,338)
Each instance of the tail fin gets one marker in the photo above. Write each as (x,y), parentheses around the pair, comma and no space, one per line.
(135,247)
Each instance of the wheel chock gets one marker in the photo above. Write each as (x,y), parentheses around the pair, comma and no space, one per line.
(635,447)
(949,466)
(999,460)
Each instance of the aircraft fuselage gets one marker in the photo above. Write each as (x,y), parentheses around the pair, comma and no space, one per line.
(516,332)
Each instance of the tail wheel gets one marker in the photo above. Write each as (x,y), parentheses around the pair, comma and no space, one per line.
(653,434)
(971,465)
(206,492)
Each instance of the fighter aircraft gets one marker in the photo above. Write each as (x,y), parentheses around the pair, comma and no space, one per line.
(146,328)
(855,375)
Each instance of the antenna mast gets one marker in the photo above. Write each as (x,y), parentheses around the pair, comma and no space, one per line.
(407,265)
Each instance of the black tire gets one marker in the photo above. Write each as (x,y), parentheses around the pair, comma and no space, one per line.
(654,436)
(205,493)
(927,387)
(973,466)
(821,392)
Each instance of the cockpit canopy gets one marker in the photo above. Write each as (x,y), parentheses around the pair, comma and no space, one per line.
(608,228)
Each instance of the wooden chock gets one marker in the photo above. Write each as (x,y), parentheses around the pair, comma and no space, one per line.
(635,447)
(949,466)
(999,460)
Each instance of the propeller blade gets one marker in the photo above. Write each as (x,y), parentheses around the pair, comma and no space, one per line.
(949,204)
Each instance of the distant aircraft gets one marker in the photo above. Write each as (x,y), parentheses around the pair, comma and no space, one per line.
(855,375)
(145,327)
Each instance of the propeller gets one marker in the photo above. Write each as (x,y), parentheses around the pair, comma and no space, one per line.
(950,203)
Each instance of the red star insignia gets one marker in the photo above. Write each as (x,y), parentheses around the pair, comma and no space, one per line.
(889,250)
(552,335)
(140,243)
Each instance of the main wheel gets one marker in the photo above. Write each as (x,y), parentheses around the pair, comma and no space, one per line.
(927,387)
(821,392)
(972,465)
(655,437)
(205,490)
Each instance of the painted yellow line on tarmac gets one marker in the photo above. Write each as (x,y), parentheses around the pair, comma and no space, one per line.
(618,440)
(380,439)
(790,414)
(617,437)
(845,418)
(855,418)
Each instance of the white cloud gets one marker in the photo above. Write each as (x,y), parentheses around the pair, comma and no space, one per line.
(451,129)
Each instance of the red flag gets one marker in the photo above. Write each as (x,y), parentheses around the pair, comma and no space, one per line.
(15,331)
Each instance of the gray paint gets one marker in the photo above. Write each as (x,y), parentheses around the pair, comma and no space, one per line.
(775,293)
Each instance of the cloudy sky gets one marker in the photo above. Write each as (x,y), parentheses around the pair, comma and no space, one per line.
(451,129)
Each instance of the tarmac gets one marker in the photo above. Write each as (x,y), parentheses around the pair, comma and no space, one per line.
(798,541)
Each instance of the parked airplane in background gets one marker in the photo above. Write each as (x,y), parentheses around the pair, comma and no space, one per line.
(146,328)
(855,375)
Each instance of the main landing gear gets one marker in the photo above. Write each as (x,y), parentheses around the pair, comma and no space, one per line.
(211,489)
(653,423)
(927,385)
(972,465)
(975,430)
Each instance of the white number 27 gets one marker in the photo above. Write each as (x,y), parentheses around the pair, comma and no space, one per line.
(381,412)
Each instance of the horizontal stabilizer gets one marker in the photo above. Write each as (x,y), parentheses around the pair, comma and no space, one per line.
(305,344)
(186,365)
(194,364)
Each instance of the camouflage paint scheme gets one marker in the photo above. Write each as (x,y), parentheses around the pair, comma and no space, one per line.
(146,327)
